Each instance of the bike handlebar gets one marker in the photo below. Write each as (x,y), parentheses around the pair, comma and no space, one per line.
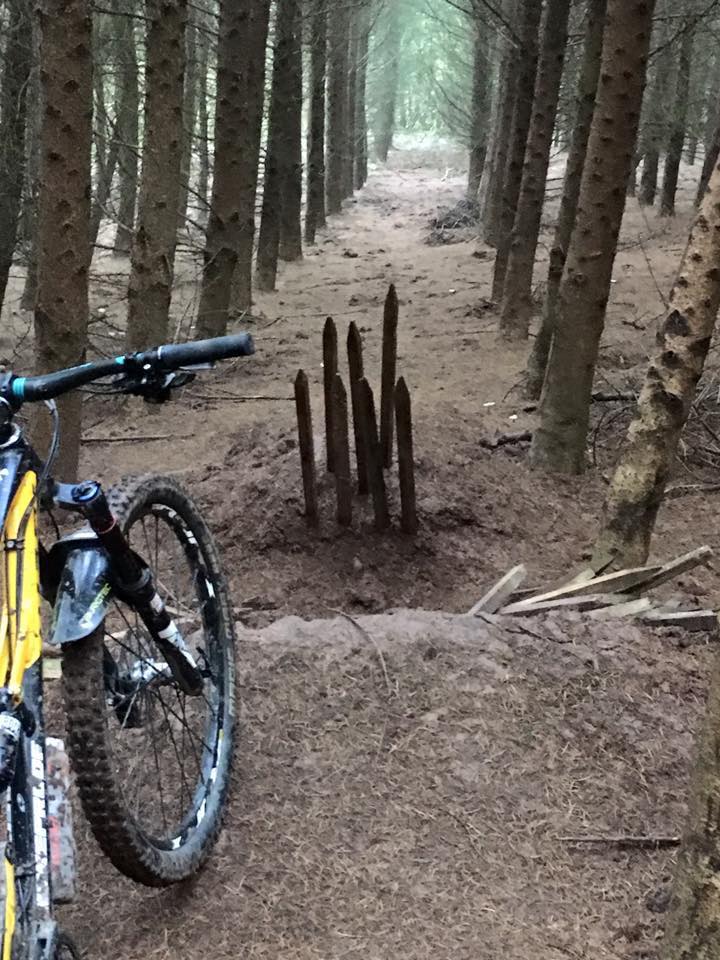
(165,359)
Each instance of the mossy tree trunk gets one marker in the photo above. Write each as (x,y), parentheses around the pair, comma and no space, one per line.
(560,439)
(587,91)
(517,300)
(61,311)
(638,486)
(526,66)
(153,250)
(676,142)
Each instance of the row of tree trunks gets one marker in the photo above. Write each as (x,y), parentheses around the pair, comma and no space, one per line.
(517,301)
(559,443)
(587,91)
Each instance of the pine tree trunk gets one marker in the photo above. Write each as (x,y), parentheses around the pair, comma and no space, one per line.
(13,116)
(189,110)
(361,128)
(390,52)
(203,129)
(712,103)
(638,486)
(315,207)
(517,303)
(559,442)
(587,91)
(280,154)
(291,208)
(61,312)
(107,146)
(526,70)
(29,212)
(655,132)
(153,251)
(492,194)
(711,159)
(679,122)
(231,163)
(479,113)
(349,171)
(127,110)
(249,151)
(337,104)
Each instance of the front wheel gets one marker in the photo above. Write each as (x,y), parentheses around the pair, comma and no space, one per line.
(152,763)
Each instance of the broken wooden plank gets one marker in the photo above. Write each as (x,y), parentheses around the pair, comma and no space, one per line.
(341,453)
(406,459)
(498,594)
(675,567)
(631,608)
(307,446)
(588,601)
(692,620)
(330,368)
(623,581)
(389,368)
(356,368)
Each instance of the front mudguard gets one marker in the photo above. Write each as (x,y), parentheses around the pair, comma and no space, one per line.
(83,594)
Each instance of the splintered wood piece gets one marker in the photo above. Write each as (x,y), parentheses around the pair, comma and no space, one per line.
(675,567)
(341,453)
(307,446)
(588,601)
(355,364)
(376,478)
(503,589)
(692,620)
(330,368)
(389,367)
(621,582)
(631,608)
(406,458)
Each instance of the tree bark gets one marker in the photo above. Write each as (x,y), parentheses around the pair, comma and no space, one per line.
(189,109)
(153,251)
(711,158)
(280,154)
(291,207)
(128,109)
(559,442)
(61,312)
(203,129)
(390,53)
(29,212)
(517,303)
(527,70)
(479,113)
(492,194)
(638,486)
(337,106)
(349,168)
(673,157)
(315,207)
(587,91)
(237,142)
(13,116)
(655,128)
(361,128)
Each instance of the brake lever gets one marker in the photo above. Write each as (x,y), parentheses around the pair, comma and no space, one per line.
(158,388)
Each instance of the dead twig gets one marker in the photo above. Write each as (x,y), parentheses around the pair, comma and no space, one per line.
(627,842)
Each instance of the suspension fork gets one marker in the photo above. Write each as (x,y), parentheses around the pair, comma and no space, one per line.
(133,579)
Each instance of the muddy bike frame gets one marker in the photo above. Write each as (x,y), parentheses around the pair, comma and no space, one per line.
(79,575)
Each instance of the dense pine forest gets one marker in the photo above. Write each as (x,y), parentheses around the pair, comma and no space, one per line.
(510,212)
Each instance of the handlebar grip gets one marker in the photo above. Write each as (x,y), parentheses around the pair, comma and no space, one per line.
(174,355)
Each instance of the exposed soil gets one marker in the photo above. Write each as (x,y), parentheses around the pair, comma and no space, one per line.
(420,820)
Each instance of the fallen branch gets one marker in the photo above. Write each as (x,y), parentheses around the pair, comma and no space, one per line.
(142,439)
(627,843)
(505,439)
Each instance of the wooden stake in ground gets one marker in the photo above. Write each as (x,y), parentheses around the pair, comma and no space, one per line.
(341,453)
(376,478)
(389,368)
(406,459)
(355,364)
(307,446)
(330,368)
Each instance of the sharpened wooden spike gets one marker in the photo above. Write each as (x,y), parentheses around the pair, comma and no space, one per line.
(330,368)
(389,367)
(406,458)
(376,478)
(497,595)
(341,453)
(307,446)
(355,365)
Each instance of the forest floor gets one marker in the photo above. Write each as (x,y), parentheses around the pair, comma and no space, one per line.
(481,512)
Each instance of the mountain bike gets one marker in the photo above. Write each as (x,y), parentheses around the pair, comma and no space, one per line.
(141,614)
